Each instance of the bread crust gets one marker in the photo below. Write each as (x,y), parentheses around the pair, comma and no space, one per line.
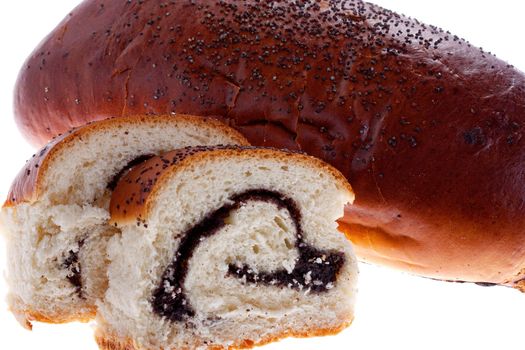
(26,317)
(428,129)
(136,192)
(27,186)
(108,341)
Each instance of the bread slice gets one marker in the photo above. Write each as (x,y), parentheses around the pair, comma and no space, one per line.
(226,247)
(56,216)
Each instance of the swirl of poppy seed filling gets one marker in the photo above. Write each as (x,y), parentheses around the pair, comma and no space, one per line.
(314,269)
(72,264)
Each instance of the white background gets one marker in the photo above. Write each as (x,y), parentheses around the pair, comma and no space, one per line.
(395,310)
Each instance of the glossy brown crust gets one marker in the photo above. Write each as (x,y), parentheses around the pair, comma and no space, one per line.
(27,185)
(112,342)
(136,192)
(428,129)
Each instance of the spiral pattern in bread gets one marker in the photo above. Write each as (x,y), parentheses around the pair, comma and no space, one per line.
(56,215)
(227,247)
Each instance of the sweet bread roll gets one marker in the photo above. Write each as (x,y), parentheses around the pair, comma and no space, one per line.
(57,212)
(224,248)
(428,129)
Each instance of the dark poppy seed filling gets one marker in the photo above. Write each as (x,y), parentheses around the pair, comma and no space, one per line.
(113,183)
(315,269)
(72,264)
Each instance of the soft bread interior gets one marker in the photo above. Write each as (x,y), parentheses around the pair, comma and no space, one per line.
(228,310)
(44,253)
(58,241)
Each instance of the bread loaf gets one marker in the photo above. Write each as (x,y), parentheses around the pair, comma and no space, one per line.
(427,128)
(56,216)
(226,248)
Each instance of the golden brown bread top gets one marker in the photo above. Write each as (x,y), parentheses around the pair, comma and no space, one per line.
(137,190)
(27,185)
(427,128)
